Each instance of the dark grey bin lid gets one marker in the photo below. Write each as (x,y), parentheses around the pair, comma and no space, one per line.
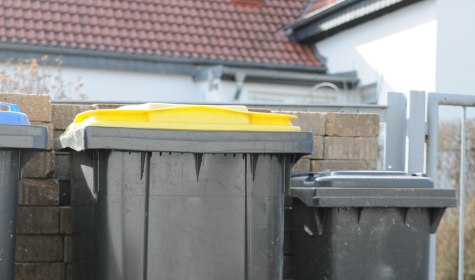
(23,137)
(369,189)
(135,139)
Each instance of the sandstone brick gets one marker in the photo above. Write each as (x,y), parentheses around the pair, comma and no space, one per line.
(350,148)
(321,165)
(39,192)
(71,246)
(317,152)
(67,220)
(63,114)
(41,165)
(72,271)
(57,133)
(72,219)
(372,165)
(39,248)
(37,220)
(76,219)
(62,165)
(39,271)
(355,125)
(78,247)
(64,192)
(36,106)
(303,165)
(49,126)
(81,270)
(310,121)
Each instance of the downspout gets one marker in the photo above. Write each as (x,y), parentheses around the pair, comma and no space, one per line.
(239,77)
(306,8)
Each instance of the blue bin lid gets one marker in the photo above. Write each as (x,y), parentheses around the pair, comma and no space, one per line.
(10,114)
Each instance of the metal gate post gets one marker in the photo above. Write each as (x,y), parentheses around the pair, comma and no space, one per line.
(396,129)
(416,132)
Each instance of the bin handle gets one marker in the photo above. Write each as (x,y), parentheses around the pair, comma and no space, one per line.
(11,107)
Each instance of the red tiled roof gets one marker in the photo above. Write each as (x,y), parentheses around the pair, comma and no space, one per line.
(318,4)
(227,30)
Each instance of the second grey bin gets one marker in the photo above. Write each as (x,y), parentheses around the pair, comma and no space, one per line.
(198,205)
(364,225)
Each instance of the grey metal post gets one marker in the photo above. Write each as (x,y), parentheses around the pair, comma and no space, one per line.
(416,132)
(396,129)
(432,143)
(462,197)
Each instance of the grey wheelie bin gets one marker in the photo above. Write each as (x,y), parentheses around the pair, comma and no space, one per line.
(186,192)
(364,225)
(17,138)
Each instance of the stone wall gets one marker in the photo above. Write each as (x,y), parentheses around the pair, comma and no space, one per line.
(40,246)
(77,217)
(54,239)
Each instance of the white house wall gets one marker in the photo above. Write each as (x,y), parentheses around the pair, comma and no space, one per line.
(397,51)
(119,86)
(106,85)
(456,46)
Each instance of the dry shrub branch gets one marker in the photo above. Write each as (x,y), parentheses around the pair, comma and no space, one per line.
(448,177)
(37,76)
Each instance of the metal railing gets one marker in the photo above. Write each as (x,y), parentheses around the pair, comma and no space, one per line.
(423,128)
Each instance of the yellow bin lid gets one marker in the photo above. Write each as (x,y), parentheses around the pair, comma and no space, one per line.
(184,117)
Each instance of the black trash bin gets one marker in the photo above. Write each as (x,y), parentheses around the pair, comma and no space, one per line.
(364,224)
(17,138)
(196,193)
